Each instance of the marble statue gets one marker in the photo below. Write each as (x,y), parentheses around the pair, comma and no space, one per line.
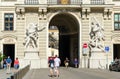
(32,35)
(96,36)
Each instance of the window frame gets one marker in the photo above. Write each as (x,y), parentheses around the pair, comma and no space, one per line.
(9,22)
(117,21)
(8,0)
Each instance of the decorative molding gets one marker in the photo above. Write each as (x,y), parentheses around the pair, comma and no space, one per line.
(8,36)
(8,39)
(62,9)
(107,13)
(85,12)
(42,13)
(115,38)
(20,11)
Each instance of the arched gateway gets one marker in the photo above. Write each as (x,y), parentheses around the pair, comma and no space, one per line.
(68,43)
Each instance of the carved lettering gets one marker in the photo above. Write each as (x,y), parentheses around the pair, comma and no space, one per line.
(9,40)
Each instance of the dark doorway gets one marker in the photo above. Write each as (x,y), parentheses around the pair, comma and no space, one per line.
(68,27)
(64,47)
(116,51)
(9,50)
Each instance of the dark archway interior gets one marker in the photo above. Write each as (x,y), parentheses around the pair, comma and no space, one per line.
(68,36)
(116,51)
(9,50)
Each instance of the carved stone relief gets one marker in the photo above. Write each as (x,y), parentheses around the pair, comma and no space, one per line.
(96,36)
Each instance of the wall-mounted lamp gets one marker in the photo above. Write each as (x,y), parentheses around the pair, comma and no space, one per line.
(42,12)
(20,11)
(86,12)
(108,12)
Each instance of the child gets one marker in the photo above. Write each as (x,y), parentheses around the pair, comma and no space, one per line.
(4,64)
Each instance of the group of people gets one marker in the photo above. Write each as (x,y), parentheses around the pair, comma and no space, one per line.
(7,64)
(54,64)
(66,62)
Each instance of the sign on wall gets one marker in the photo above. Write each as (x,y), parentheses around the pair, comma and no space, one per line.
(107,48)
(85,48)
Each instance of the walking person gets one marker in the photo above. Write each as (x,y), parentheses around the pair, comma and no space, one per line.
(16,64)
(8,62)
(57,65)
(51,66)
(66,62)
(76,63)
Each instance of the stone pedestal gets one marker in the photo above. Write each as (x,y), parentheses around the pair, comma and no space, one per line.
(32,58)
(84,61)
(97,59)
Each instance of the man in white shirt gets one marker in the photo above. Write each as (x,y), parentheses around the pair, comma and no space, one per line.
(57,63)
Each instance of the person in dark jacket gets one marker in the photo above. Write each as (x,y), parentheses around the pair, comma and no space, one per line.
(51,66)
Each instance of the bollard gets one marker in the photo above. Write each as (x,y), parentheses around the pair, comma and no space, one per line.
(15,76)
(12,77)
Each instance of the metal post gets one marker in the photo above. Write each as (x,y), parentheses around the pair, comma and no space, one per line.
(84,60)
(106,60)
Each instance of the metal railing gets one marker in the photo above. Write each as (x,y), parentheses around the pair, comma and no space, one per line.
(63,2)
(31,2)
(66,2)
(76,2)
(97,2)
(21,73)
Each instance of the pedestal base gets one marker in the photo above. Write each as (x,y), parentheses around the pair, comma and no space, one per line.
(97,60)
(32,58)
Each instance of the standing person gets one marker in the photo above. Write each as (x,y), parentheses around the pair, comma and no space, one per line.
(4,64)
(57,65)
(8,62)
(66,62)
(51,66)
(16,63)
(76,62)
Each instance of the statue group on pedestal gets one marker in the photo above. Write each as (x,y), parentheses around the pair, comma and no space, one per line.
(96,36)
(32,35)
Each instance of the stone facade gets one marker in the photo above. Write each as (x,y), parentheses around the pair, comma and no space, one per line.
(43,12)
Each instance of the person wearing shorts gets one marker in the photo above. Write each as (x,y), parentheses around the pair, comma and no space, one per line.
(57,62)
(51,66)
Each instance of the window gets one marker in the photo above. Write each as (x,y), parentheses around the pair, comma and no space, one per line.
(116,0)
(117,21)
(8,21)
(8,0)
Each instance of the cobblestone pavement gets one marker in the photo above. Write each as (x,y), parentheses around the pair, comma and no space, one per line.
(4,75)
(73,73)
